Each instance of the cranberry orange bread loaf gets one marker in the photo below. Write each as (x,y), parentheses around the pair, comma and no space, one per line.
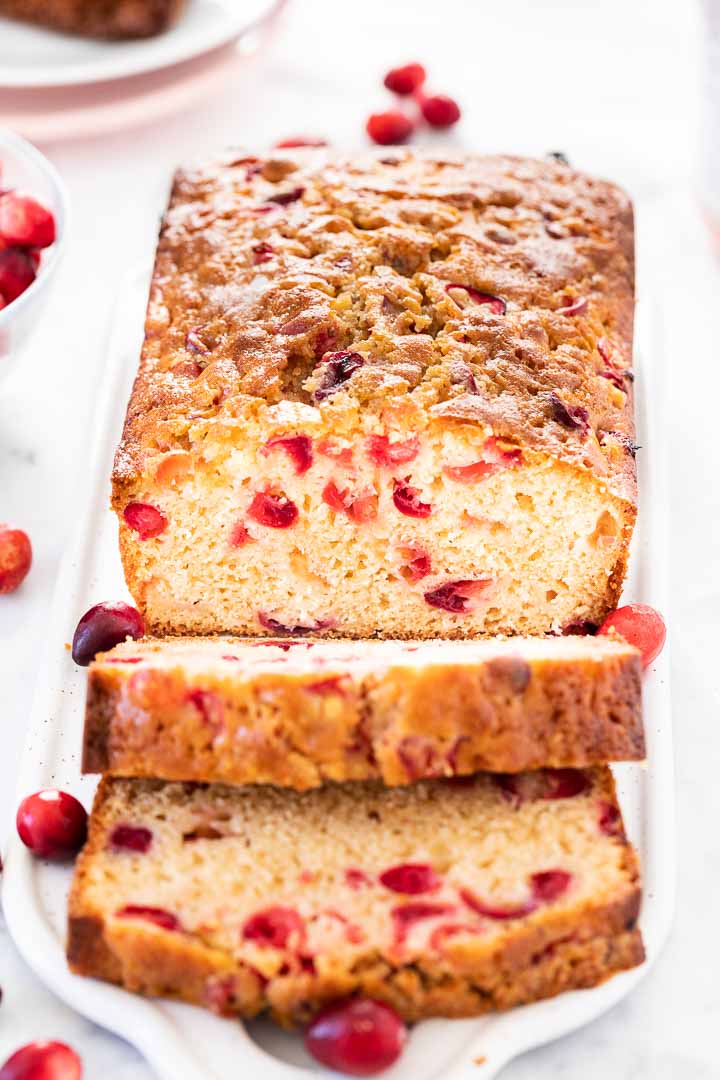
(298,712)
(109,19)
(387,395)
(443,899)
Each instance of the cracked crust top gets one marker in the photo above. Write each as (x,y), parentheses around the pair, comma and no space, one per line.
(491,290)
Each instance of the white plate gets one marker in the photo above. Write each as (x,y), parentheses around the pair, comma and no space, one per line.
(185,1043)
(33,57)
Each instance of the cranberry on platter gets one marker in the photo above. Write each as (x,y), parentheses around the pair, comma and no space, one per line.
(641,626)
(359,1037)
(43,1061)
(103,627)
(15,558)
(52,824)
(26,227)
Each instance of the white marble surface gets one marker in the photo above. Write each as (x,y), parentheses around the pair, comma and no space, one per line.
(616,85)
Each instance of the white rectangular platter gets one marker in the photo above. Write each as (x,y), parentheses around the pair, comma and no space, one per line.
(183,1043)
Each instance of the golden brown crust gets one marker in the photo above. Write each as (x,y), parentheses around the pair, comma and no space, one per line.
(525,960)
(300,726)
(265,264)
(116,19)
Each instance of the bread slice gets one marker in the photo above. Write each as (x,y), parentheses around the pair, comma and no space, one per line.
(386,395)
(445,898)
(298,713)
(113,19)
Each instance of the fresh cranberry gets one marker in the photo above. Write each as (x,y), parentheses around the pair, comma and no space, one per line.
(416,563)
(294,141)
(574,417)
(239,536)
(565,783)
(43,1061)
(494,911)
(359,508)
(273,927)
(454,596)
(357,879)
(548,885)
(131,838)
(359,1037)
(440,111)
(262,253)
(405,917)
(411,878)
(333,685)
(53,824)
(386,454)
(15,558)
(336,369)
(102,628)
(297,447)
(610,819)
(329,448)
(407,501)
(405,80)
(614,377)
(156,915)
(469,474)
(611,353)
(146,520)
(17,273)
(283,198)
(210,707)
(273,511)
(496,304)
(389,128)
(23,221)
(577,306)
(641,626)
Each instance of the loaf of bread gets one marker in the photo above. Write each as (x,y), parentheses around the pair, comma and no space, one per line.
(388,395)
(110,19)
(298,713)
(443,898)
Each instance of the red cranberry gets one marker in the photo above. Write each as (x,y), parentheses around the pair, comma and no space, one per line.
(441,933)
(577,306)
(496,304)
(273,511)
(262,253)
(440,111)
(194,343)
(299,140)
(614,377)
(357,879)
(389,128)
(273,927)
(102,628)
(296,630)
(358,1037)
(416,564)
(17,272)
(549,885)
(611,353)
(570,416)
(42,1061)
(610,819)
(53,824)
(23,221)
(15,558)
(359,508)
(580,628)
(283,198)
(565,783)
(336,369)
(456,595)
(386,454)
(405,917)
(407,501)
(239,536)
(494,911)
(323,687)
(469,474)
(210,707)
(641,626)
(405,80)
(131,838)
(297,447)
(158,916)
(411,878)
(147,521)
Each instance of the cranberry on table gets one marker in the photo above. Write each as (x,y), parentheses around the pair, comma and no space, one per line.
(103,627)
(640,625)
(25,222)
(359,1037)
(52,823)
(389,128)
(440,111)
(406,79)
(15,558)
(43,1061)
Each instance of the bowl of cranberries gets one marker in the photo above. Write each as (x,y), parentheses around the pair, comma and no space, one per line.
(32,221)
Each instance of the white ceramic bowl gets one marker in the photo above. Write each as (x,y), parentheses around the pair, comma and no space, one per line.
(25,168)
